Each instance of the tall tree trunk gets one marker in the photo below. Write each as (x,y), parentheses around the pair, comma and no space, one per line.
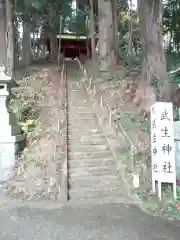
(10,38)
(87,36)
(27,55)
(92,30)
(16,44)
(115,12)
(52,35)
(154,77)
(3,53)
(106,51)
(59,44)
(26,44)
(54,46)
(33,45)
(130,30)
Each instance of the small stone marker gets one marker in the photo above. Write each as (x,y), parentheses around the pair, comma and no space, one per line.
(162,146)
(10,132)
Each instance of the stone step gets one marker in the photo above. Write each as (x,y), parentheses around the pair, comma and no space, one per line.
(81,119)
(74,99)
(78,99)
(79,135)
(120,199)
(90,162)
(80,155)
(84,130)
(80,132)
(77,94)
(90,192)
(87,134)
(92,171)
(79,111)
(81,116)
(85,125)
(79,102)
(94,136)
(86,148)
(89,181)
(79,105)
(85,122)
(75,88)
(85,141)
(76,104)
(84,112)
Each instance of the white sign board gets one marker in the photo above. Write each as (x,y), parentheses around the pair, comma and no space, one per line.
(162,146)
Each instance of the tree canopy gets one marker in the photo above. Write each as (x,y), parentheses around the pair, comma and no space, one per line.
(43,17)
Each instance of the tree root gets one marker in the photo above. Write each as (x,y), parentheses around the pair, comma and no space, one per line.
(142,96)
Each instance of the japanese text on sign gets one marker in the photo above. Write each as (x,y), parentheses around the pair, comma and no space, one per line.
(162,143)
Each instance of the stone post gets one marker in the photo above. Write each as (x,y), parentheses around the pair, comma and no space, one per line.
(11,140)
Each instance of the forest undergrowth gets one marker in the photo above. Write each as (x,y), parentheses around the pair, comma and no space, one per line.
(118,86)
(35,104)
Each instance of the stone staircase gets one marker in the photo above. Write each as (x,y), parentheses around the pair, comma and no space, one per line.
(91,169)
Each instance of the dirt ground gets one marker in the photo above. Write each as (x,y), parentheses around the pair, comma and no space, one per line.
(37,103)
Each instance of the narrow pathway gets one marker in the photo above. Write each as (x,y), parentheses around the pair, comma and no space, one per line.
(92,172)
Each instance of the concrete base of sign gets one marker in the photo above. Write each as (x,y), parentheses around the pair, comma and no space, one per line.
(177,147)
(9,148)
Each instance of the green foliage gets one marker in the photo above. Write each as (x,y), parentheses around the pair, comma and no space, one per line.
(77,22)
(173,60)
(44,13)
(171,24)
(26,107)
(123,5)
(166,207)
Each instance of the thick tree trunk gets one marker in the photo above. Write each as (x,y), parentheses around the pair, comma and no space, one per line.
(92,30)
(154,78)
(33,46)
(106,51)
(52,35)
(154,61)
(87,37)
(3,53)
(54,46)
(10,38)
(130,30)
(115,12)
(27,44)
(16,44)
